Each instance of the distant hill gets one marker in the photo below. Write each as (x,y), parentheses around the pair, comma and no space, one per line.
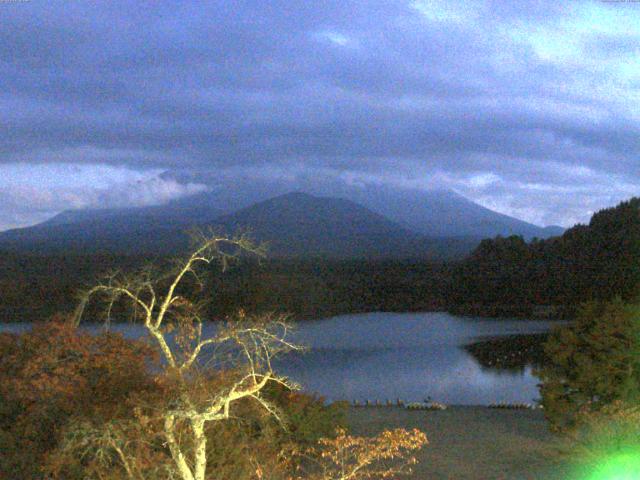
(295,224)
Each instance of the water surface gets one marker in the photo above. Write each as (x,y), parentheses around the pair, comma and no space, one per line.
(410,356)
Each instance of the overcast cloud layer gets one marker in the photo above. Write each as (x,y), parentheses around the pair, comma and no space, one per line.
(529,108)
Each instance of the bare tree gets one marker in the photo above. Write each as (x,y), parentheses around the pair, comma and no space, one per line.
(243,348)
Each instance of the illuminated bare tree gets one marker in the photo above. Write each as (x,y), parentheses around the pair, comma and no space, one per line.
(240,350)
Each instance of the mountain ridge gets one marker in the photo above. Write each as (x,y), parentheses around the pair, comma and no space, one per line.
(382,225)
(435,213)
(294,224)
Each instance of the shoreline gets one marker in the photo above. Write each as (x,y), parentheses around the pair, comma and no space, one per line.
(526,312)
(473,442)
(497,312)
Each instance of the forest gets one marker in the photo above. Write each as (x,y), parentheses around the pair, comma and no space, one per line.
(504,276)
(598,261)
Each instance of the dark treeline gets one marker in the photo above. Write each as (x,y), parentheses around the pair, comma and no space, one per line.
(35,287)
(512,352)
(502,277)
(598,261)
(318,288)
(38,286)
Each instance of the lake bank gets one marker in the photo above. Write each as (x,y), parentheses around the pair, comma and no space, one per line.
(473,442)
(524,311)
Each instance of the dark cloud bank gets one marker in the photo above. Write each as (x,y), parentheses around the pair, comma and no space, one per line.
(530,108)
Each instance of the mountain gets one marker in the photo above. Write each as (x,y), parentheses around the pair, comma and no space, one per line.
(435,213)
(295,224)
(299,224)
(444,213)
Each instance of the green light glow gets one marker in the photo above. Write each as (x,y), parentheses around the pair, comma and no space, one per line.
(624,466)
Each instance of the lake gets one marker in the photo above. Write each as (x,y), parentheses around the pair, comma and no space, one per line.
(410,356)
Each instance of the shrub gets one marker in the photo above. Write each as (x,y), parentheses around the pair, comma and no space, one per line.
(592,363)
(55,373)
(606,443)
(75,406)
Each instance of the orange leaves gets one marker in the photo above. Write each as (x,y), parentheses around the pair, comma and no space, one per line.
(55,362)
(347,457)
(55,374)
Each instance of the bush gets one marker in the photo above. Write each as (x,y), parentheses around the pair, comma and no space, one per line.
(593,362)
(605,444)
(71,403)
(54,374)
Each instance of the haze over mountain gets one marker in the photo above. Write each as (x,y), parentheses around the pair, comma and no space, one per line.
(294,224)
(434,213)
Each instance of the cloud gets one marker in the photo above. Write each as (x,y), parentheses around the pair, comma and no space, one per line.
(522,92)
(32,193)
(448,11)
(335,38)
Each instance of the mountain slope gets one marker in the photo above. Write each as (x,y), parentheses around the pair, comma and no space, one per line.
(442,213)
(186,211)
(298,224)
(293,224)
(435,213)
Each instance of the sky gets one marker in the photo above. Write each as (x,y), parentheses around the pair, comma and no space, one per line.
(530,108)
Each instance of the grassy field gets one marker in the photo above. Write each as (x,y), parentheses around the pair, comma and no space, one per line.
(473,443)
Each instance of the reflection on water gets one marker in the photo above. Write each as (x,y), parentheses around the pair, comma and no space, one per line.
(400,355)
(409,356)
(512,352)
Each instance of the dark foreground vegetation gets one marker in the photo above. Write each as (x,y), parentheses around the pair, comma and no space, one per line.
(38,286)
(177,404)
(502,277)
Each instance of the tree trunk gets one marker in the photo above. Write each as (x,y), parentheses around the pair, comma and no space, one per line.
(174,448)
(200,440)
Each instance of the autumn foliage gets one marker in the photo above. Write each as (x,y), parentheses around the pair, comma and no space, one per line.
(186,402)
(347,457)
(76,405)
(593,362)
(56,374)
